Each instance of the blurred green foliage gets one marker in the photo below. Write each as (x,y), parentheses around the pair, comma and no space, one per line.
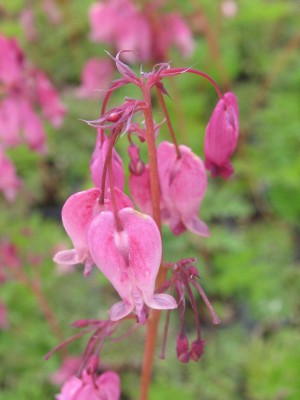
(249,265)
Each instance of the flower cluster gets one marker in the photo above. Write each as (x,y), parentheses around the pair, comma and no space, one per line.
(125,244)
(23,89)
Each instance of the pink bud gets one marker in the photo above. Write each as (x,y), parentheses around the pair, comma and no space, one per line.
(136,165)
(182,348)
(221,136)
(130,259)
(183,184)
(92,364)
(197,349)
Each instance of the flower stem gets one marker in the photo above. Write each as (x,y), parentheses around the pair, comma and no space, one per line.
(154,317)
(169,123)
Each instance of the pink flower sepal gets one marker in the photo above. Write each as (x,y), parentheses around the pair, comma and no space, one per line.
(221,136)
(89,387)
(130,259)
(97,164)
(183,184)
(77,215)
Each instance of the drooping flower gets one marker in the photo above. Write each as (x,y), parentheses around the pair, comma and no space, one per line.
(221,136)
(130,259)
(183,184)
(77,215)
(97,164)
(91,387)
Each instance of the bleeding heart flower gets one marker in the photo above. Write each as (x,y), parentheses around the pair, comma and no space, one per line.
(183,184)
(221,136)
(77,215)
(91,387)
(130,259)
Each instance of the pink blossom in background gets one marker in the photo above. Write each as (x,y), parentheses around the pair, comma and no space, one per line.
(147,32)
(68,368)
(130,260)
(180,34)
(95,77)
(48,99)
(221,136)
(183,184)
(11,61)
(88,387)
(9,181)
(28,22)
(33,130)
(52,11)
(10,122)
(97,164)
(229,8)
(25,89)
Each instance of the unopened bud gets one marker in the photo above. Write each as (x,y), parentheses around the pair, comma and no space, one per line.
(182,348)
(136,165)
(92,365)
(197,349)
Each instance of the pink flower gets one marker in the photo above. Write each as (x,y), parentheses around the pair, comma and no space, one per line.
(183,184)
(130,259)
(97,164)
(103,387)
(77,215)
(221,136)
(9,182)
(96,74)
(48,98)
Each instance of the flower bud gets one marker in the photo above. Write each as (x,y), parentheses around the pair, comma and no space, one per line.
(197,349)
(221,136)
(182,348)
